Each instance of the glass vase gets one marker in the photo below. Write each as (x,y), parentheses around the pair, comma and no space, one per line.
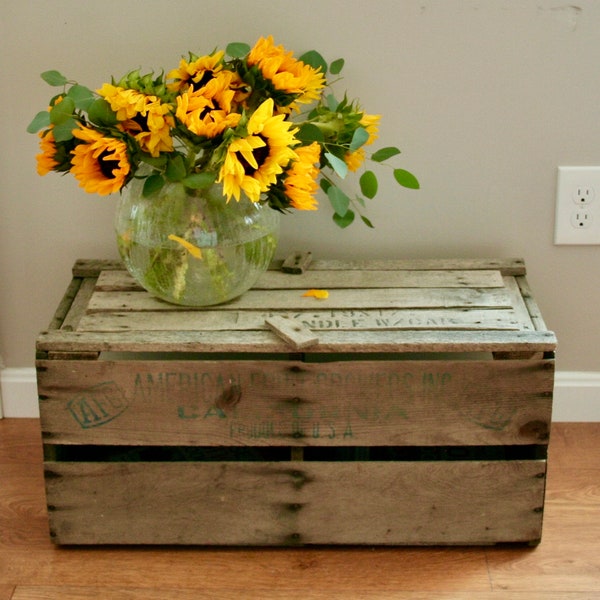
(192,247)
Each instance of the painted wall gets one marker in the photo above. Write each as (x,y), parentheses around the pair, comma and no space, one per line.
(486,98)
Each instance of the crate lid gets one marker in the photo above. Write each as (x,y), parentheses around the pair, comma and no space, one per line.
(458,305)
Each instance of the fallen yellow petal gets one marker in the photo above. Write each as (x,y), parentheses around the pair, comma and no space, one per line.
(320,294)
(193,250)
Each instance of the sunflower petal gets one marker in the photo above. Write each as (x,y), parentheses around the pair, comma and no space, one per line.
(319,294)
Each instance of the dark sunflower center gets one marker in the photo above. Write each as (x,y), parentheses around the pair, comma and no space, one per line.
(107,165)
(141,121)
(260,155)
(206,77)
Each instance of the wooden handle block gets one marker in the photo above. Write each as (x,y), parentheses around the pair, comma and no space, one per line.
(292,332)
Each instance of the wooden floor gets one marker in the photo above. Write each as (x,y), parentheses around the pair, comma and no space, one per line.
(565,566)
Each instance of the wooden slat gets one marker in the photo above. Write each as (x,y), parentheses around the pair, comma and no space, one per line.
(65,304)
(266,402)
(532,307)
(85,267)
(267,341)
(338,299)
(317,320)
(79,304)
(296,503)
(507,266)
(334,279)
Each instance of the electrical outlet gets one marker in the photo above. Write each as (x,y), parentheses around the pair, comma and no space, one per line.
(577,218)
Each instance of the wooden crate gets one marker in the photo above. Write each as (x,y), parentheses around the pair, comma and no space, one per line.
(416,409)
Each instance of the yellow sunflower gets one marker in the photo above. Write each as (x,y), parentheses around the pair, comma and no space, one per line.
(285,72)
(197,72)
(46,161)
(100,164)
(301,181)
(355,159)
(145,117)
(207,111)
(126,103)
(252,163)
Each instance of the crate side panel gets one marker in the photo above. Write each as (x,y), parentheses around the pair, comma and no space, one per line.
(253,402)
(296,503)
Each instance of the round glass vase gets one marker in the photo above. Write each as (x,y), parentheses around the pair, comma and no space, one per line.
(192,247)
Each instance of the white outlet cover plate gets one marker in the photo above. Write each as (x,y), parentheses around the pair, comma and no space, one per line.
(577,218)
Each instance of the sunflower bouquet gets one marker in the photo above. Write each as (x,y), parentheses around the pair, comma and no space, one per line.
(264,125)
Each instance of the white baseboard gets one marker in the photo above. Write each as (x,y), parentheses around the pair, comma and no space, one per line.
(576,395)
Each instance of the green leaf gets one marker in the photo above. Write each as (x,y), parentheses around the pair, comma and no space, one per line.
(325,184)
(199,181)
(339,200)
(368,184)
(315,60)
(100,113)
(81,95)
(337,164)
(175,168)
(367,222)
(360,136)
(64,131)
(41,120)
(310,133)
(54,78)
(237,49)
(336,66)
(332,103)
(154,161)
(385,153)
(153,184)
(62,111)
(406,179)
(345,220)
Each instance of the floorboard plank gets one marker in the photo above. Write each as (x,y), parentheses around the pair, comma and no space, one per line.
(93,593)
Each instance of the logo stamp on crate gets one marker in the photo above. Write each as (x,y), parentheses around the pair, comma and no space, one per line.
(98,404)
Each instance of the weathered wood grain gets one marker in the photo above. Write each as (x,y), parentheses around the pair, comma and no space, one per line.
(267,341)
(296,503)
(266,402)
(316,320)
(118,280)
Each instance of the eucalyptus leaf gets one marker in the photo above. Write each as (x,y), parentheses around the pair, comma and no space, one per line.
(54,78)
(332,103)
(199,181)
(153,184)
(309,133)
(237,49)
(368,184)
(385,153)
(62,111)
(315,60)
(367,222)
(336,66)
(339,200)
(359,138)
(344,221)
(64,131)
(175,168)
(154,161)
(406,179)
(337,164)
(82,96)
(100,113)
(40,121)
(325,185)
